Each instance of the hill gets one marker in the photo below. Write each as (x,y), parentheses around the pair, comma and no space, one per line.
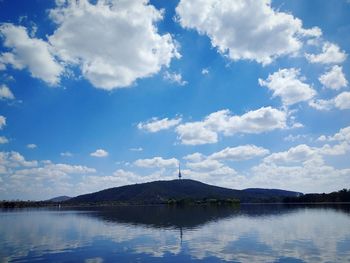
(59,199)
(162,191)
(334,197)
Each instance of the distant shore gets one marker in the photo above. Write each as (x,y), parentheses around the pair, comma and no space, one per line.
(40,204)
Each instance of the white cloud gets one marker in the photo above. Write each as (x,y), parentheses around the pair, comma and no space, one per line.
(213,170)
(10,58)
(288,84)
(299,153)
(320,104)
(331,54)
(303,167)
(138,149)
(195,133)
(305,154)
(113,42)
(2,122)
(31,146)
(93,183)
(5,93)
(157,162)
(334,78)
(37,180)
(297,125)
(243,152)
(342,135)
(194,157)
(245,29)
(313,176)
(338,149)
(322,138)
(155,125)
(206,131)
(293,138)
(15,159)
(341,101)
(99,153)
(51,170)
(205,165)
(205,71)
(120,177)
(3,140)
(174,78)
(32,53)
(66,154)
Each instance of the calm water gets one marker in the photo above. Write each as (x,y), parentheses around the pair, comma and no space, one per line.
(250,233)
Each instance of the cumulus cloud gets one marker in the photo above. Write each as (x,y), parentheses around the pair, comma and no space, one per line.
(243,152)
(305,153)
(99,153)
(334,78)
(2,122)
(341,101)
(36,179)
(157,162)
(212,168)
(137,149)
(288,84)
(206,131)
(94,183)
(31,146)
(194,157)
(155,125)
(6,93)
(303,167)
(205,71)
(321,104)
(174,78)
(66,154)
(243,29)
(299,153)
(293,138)
(120,177)
(312,176)
(205,165)
(51,170)
(113,42)
(32,53)
(11,59)
(195,133)
(331,54)
(15,159)
(3,140)
(342,135)
(209,171)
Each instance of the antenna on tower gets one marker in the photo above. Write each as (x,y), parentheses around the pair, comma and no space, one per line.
(179,172)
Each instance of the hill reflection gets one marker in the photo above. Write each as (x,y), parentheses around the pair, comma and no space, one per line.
(249,233)
(189,217)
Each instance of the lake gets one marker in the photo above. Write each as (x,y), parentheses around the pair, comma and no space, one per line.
(246,233)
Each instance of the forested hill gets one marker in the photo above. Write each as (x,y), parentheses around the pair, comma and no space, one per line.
(164,191)
(334,197)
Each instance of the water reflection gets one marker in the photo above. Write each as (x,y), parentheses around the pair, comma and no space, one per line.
(250,233)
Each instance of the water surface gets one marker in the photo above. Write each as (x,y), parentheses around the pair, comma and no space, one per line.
(249,233)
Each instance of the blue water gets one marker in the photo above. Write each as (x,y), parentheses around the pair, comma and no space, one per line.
(249,233)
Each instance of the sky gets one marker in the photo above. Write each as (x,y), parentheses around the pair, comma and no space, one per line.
(104,93)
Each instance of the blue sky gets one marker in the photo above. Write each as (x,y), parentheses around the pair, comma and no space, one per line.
(97,94)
